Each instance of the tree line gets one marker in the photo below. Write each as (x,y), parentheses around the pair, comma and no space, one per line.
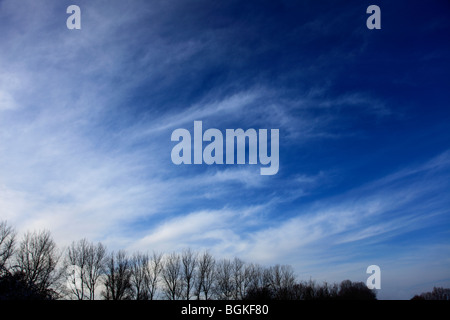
(34,268)
(438,293)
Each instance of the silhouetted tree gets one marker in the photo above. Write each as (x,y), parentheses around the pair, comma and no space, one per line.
(140,273)
(310,290)
(145,273)
(7,245)
(84,265)
(188,267)
(15,287)
(438,293)
(253,275)
(355,291)
(118,277)
(75,263)
(205,275)
(36,261)
(239,284)
(172,276)
(327,292)
(95,268)
(281,280)
(156,266)
(259,293)
(224,285)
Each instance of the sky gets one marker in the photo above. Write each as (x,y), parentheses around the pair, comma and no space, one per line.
(86,118)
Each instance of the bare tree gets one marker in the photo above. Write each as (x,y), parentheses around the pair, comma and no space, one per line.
(85,263)
(37,260)
(144,275)
(253,277)
(95,267)
(171,275)
(75,263)
(287,276)
(238,279)
(266,277)
(281,279)
(140,271)
(7,245)
(205,275)
(326,291)
(349,290)
(438,293)
(189,265)
(224,286)
(118,277)
(156,266)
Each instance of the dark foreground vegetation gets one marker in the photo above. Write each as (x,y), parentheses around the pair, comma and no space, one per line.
(35,269)
(438,293)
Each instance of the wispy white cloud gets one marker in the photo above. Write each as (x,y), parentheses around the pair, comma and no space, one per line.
(230,106)
(217,230)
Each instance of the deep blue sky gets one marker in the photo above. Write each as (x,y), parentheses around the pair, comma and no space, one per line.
(86,118)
